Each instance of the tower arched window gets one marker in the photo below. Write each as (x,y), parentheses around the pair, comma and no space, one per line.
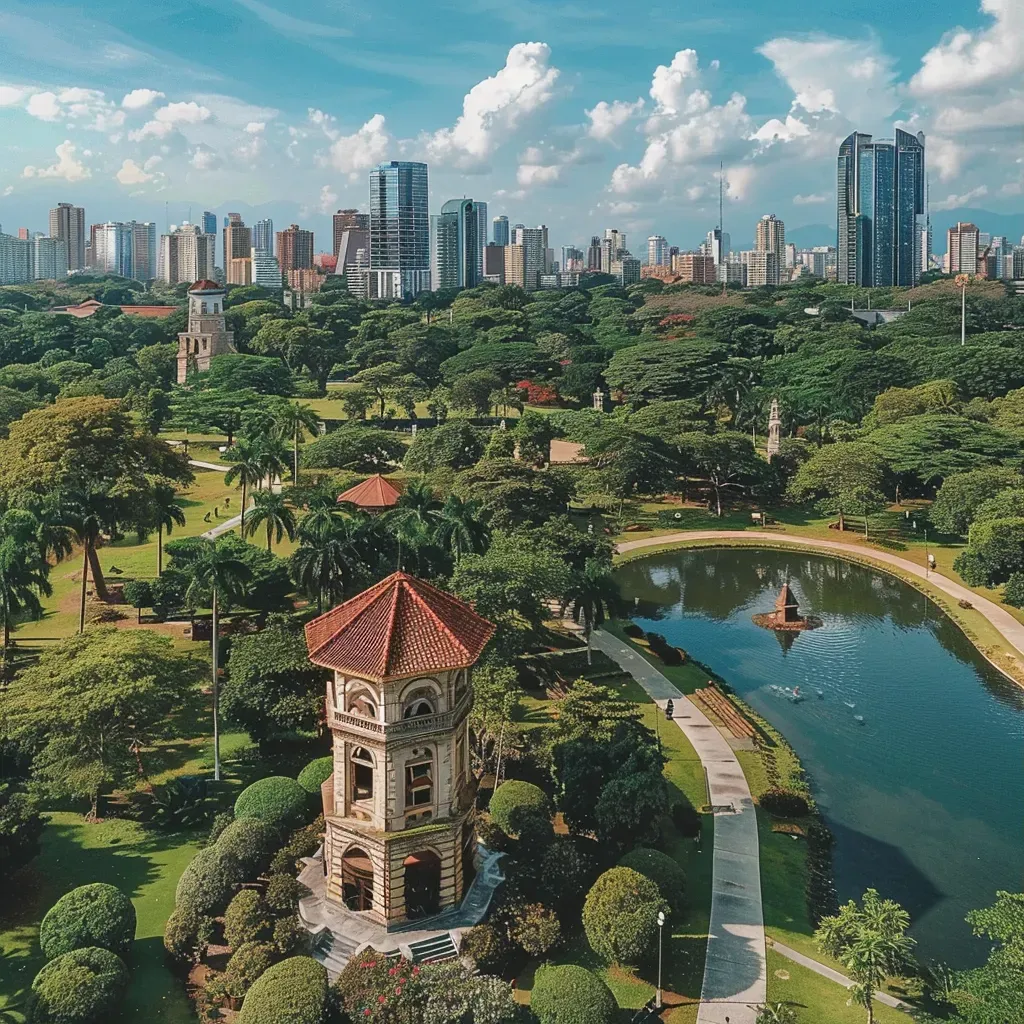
(362,764)
(362,704)
(419,780)
(422,701)
(203,310)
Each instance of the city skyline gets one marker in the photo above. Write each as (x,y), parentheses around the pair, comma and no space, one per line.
(523,117)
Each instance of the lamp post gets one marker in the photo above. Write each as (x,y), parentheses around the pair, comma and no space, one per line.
(661,925)
(962,280)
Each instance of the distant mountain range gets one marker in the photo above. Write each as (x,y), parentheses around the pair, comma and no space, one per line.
(1009,224)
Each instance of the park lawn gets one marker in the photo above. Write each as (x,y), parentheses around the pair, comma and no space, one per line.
(142,863)
(818,1000)
(685,940)
(60,611)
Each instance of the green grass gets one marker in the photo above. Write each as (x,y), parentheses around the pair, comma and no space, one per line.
(687,677)
(816,999)
(143,864)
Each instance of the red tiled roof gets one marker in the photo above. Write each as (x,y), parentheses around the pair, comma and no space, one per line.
(373,492)
(206,286)
(398,628)
(91,306)
(785,598)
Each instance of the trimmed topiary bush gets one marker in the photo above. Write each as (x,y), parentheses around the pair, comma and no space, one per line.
(486,947)
(283,894)
(686,819)
(567,870)
(1013,592)
(207,884)
(491,834)
(784,803)
(304,842)
(279,801)
(620,916)
(662,870)
(517,807)
(571,995)
(535,929)
(293,991)
(315,774)
(249,962)
(80,987)
(247,919)
(187,936)
(251,842)
(91,915)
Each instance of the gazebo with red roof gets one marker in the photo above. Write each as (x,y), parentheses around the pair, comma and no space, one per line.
(399,842)
(374,494)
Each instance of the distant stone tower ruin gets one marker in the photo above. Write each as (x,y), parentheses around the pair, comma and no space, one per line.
(207,335)
(774,430)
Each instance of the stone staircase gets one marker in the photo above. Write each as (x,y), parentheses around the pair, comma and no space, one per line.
(333,951)
(434,950)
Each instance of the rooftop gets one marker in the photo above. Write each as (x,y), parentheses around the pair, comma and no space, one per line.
(373,492)
(206,286)
(399,628)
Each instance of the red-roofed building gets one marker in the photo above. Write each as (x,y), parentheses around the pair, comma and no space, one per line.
(399,842)
(374,494)
(93,306)
(207,335)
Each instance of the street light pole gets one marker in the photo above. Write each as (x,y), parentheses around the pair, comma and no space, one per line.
(961,280)
(661,925)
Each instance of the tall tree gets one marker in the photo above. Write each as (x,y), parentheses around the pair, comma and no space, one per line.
(21,582)
(844,477)
(460,527)
(328,556)
(725,460)
(165,513)
(592,594)
(253,461)
(216,576)
(870,941)
(91,702)
(89,450)
(294,421)
(273,512)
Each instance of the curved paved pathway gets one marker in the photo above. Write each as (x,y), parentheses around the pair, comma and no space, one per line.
(735,970)
(1009,628)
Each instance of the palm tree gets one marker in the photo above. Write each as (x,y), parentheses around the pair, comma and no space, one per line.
(593,594)
(167,514)
(328,554)
(21,578)
(247,467)
(296,420)
(411,521)
(87,525)
(273,458)
(54,536)
(273,511)
(870,941)
(218,576)
(459,527)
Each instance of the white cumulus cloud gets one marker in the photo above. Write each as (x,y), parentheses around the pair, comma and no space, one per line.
(964,199)
(496,106)
(67,165)
(11,95)
(607,118)
(812,199)
(44,105)
(132,174)
(170,117)
(139,99)
(353,154)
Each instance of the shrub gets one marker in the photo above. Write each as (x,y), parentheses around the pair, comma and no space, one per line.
(491,834)
(662,870)
(536,929)
(571,995)
(290,938)
(521,806)
(567,870)
(486,947)
(283,894)
(303,843)
(393,988)
(217,826)
(186,936)
(293,991)
(21,825)
(79,987)
(91,915)
(315,774)
(631,629)
(279,801)
(251,842)
(138,593)
(247,963)
(620,915)
(247,919)
(206,885)
(1013,592)
(784,803)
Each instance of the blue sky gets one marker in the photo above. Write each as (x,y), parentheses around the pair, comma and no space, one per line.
(581,115)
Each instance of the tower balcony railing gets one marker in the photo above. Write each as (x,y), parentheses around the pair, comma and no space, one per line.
(421,724)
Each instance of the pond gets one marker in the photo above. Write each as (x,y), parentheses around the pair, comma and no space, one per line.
(925,795)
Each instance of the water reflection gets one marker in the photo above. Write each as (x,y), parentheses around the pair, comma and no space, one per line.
(926,794)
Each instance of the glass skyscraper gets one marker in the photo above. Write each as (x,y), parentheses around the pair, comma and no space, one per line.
(881,213)
(455,245)
(399,230)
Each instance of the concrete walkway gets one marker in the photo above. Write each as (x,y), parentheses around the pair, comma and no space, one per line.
(207,465)
(735,971)
(1009,628)
(223,527)
(828,972)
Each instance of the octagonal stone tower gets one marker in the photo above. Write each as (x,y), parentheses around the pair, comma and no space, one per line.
(207,335)
(399,841)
